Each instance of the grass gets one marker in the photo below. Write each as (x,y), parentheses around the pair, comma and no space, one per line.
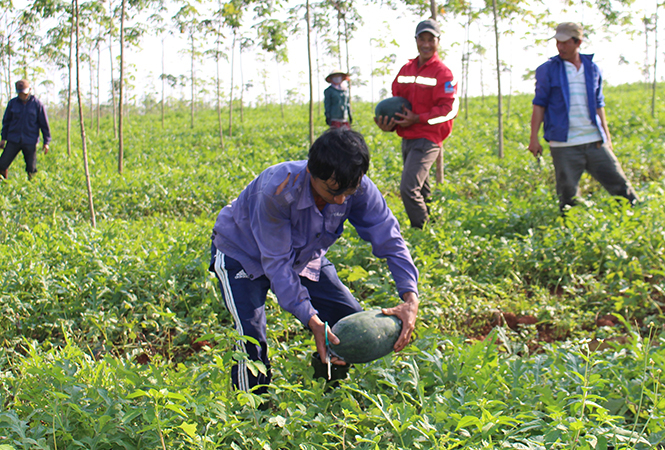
(115,337)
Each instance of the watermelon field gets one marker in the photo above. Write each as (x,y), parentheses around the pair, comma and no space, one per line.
(534,331)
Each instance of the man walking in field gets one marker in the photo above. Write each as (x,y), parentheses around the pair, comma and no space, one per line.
(569,100)
(431,89)
(275,236)
(24,117)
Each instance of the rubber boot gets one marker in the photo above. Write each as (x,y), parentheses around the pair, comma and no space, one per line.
(336,372)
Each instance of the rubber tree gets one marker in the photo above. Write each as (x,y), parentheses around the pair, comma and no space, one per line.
(128,35)
(160,28)
(246,43)
(309,72)
(299,15)
(230,15)
(272,38)
(217,55)
(91,204)
(58,42)
(381,68)
(6,14)
(28,45)
(58,45)
(188,21)
(655,63)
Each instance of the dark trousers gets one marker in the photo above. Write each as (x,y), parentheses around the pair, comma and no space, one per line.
(12,149)
(596,158)
(418,156)
(245,299)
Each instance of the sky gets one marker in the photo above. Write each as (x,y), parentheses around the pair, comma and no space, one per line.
(619,55)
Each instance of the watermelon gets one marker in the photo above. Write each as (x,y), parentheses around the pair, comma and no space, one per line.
(365,336)
(390,106)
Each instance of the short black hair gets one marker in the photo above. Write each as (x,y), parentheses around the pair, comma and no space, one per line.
(341,154)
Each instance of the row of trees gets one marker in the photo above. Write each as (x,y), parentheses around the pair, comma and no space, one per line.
(77,33)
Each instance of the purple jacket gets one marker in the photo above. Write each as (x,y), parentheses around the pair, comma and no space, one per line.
(283,235)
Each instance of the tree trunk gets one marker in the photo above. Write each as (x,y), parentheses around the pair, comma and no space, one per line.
(348,65)
(242,84)
(69,90)
(193,83)
(465,70)
(91,205)
(122,79)
(113,100)
(339,38)
(219,91)
(311,86)
(233,59)
(318,76)
(92,94)
(163,82)
(99,63)
(279,88)
(439,159)
(655,61)
(9,67)
(498,79)
(647,77)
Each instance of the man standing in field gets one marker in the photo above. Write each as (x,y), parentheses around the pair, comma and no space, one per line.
(24,117)
(432,91)
(569,100)
(275,236)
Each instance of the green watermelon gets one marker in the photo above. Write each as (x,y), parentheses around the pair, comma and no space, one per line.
(390,106)
(365,336)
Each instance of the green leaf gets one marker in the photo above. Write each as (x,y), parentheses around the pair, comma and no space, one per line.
(189,428)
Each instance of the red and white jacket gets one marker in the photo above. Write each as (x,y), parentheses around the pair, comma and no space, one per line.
(432,91)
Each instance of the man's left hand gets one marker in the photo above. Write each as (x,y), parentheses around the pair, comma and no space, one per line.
(45,148)
(408,118)
(407,313)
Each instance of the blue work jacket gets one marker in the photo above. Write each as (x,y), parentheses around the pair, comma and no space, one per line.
(22,122)
(553,94)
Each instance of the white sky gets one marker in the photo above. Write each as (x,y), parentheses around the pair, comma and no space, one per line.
(380,22)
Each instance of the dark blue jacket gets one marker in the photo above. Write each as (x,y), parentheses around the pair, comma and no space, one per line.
(553,94)
(22,122)
(337,105)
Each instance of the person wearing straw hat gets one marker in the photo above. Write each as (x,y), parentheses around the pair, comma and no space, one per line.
(24,117)
(337,101)
(569,101)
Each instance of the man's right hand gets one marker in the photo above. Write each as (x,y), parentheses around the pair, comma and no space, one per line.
(535,148)
(319,330)
(384,123)
(2,143)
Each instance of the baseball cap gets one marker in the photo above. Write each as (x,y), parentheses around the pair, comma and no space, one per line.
(428,25)
(22,87)
(567,30)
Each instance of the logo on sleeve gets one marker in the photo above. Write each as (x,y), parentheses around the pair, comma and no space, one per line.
(449,87)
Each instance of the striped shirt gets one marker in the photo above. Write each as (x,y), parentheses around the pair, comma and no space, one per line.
(583,129)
